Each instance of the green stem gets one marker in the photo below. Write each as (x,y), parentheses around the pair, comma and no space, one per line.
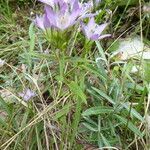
(87,47)
(76,121)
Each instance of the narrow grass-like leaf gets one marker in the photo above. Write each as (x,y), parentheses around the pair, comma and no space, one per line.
(38,138)
(3,122)
(5,106)
(24,120)
(62,112)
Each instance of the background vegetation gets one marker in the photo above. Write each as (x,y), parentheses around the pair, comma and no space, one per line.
(98,101)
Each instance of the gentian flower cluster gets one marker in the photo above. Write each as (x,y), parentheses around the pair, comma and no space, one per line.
(63,14)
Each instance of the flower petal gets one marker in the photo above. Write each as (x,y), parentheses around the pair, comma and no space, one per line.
(104,36)
(51,15)
(39,21)
(94,37)
(63,8)
(93,31)
(75,5)
(27,94)
(74,16)
(101,27)
(47,24)
(91,23)
(49,2)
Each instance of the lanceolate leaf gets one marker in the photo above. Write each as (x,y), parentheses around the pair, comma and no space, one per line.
(101,93)
(97,110)
(32,37)
(127,107)
(90,127)
(133,112)
(129,125)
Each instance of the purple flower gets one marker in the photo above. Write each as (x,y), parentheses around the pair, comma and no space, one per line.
(61,14)
(93,31)
(49,2)
(42,22)
(63,18)
(86,7)
(52,3)
(27,94)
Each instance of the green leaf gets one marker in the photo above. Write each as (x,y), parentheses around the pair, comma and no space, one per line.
(94,70)
(146,70)
(32,37)
(38,137)
(97,110)
(77,91)
(5,106)
(90,127)
(101,51)
(101,93)
(130,125)
(24,119)
(62,112)
(133,112)
(3,122)
(105,141)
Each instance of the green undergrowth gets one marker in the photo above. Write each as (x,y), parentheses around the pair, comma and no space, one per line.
(85,97)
